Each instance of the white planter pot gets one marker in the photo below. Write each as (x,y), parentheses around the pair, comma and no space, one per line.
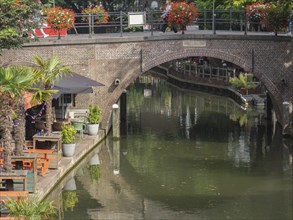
(70,185)
(68,150)
(93,129)
(95,160)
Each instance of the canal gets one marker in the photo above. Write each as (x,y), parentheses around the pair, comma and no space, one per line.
(183,155)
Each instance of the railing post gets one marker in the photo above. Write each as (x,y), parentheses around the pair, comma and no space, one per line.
(214,18)
(151,14)
(205,19)
(245,25)
(90,24)
(121,24)
(230,17)
(241,23)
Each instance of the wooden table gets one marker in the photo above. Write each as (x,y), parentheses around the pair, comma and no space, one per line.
(29,159)
(53,137)
(19,175)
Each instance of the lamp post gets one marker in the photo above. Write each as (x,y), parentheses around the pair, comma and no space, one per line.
(214,17)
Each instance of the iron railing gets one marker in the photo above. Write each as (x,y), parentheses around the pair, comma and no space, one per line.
(225,20)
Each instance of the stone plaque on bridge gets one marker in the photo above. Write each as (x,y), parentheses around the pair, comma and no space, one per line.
(194,43)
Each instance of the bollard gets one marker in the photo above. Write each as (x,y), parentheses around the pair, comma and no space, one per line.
(287,110)
(116,157)
(116,121)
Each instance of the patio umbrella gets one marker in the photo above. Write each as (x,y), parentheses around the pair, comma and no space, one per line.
(74,84)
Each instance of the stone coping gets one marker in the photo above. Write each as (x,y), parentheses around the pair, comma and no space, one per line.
(128,37)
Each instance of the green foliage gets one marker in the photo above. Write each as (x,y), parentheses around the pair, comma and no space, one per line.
(94,116)
(15,79)
(278,18)
(70,199)
(50,70)
(31,209)
(245,80)
(95,172)
(16,21)
(132,29)
(68,133)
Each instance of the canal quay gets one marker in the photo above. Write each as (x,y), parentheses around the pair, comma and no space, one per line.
(83,146)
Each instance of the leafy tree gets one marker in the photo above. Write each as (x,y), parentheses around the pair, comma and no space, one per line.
(49,71)
(16,21)
(13,81)
(278,18)
(245,80)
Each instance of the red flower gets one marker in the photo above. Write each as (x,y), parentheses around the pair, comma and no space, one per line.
(257,12)
(60,18)
(182,14)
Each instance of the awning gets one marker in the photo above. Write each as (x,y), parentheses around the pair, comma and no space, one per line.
(73,84)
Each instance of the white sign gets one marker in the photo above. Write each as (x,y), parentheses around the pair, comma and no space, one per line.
(194,43)
(136,18)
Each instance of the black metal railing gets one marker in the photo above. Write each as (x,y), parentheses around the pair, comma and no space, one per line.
(225,20)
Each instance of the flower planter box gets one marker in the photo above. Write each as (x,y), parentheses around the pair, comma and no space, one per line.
(51,32)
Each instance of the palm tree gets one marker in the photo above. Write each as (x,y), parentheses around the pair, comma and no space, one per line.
(50,71)
(243,81)
(13,81)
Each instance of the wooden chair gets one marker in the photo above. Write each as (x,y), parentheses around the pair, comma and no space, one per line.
(79,127)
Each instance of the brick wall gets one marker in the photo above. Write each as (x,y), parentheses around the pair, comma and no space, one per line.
(105,62)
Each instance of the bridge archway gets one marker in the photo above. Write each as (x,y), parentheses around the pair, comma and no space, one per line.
(244,63)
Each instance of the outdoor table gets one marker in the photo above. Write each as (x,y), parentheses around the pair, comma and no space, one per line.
(45,152)
(29,161)
(18,175)
(53,137)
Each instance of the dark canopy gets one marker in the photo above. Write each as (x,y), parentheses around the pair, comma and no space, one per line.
(75,83)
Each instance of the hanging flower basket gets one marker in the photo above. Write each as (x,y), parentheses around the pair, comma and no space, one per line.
(181,14)
(101,16)
(257,12)
(60,18)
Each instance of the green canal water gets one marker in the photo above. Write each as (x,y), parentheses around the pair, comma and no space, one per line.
(185,155)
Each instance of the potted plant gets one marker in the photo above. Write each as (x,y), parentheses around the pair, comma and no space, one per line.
(60,18)
(70,199)
(181,14)
(68,140)
(257,13)
(70,184)
(100,14)
(94,118)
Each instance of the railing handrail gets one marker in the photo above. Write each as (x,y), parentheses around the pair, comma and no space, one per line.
(118,21)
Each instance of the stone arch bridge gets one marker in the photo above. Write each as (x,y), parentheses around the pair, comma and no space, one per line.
(125,58)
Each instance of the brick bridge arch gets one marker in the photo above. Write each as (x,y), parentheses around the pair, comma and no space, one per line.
(105,60)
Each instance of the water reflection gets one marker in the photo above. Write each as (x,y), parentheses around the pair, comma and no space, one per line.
(186,156)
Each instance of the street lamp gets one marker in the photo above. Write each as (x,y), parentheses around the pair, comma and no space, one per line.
(214,17)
